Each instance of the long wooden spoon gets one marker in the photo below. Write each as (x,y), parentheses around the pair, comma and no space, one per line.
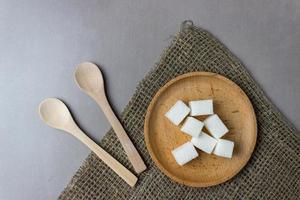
(56,114)
(89,79)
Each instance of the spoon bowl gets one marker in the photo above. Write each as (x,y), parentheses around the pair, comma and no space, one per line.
(55,113)
(89,78)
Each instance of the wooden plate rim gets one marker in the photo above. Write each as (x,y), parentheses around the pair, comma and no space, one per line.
(147,139)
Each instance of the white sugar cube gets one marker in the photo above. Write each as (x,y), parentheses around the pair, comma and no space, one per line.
(215,126)
(192,127)
(201,107)
(204,142)
(185,153)
(178,112)
(224,148)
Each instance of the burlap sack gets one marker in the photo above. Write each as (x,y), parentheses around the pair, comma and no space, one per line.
(273,172)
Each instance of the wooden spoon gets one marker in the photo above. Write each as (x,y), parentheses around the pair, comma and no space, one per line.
(56,114)
(89,79)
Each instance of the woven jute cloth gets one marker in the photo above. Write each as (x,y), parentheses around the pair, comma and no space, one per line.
(273,171)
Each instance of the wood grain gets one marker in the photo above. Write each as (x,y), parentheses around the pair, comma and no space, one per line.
(233,107)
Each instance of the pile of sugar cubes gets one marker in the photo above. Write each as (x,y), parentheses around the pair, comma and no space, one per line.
(193,127)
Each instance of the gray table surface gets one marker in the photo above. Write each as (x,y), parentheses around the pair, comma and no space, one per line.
(42,41)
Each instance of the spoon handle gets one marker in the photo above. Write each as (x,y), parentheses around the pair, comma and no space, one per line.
(133,155)
(117,167)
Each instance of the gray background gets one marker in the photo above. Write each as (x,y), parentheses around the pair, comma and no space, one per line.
(42,41)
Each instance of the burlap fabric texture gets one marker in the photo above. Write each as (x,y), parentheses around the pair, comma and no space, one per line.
(273,171)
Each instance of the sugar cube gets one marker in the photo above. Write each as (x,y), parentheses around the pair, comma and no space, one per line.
(178,112)
(201,107)
(224,148)
(215,126)
(204,142)
(192,127)
(185,153)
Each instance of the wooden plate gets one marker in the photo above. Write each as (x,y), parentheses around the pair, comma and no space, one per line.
(233,107)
